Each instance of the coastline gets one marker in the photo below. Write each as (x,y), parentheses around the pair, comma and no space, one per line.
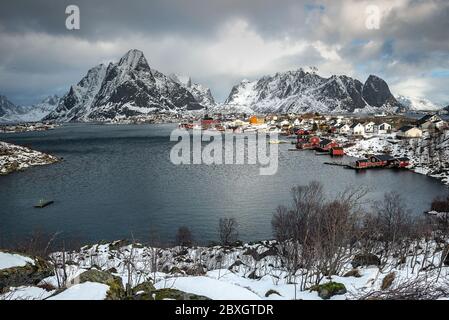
(17,158)
(423,159)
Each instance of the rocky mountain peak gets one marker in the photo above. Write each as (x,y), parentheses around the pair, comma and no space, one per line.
(134,59)
(128,88)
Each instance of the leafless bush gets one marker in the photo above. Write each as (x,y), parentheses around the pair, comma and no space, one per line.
(439,204)
(394,224)
(414,289)
(228,231)
(184,237)
(315,235)
(38,243)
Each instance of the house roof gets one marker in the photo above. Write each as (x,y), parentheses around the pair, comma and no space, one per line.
(426,118)
(325,141)
(354,125)
(402,159)
(383,157)
(406,128)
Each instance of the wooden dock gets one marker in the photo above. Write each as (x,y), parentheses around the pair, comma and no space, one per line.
(43,203)
(340,164)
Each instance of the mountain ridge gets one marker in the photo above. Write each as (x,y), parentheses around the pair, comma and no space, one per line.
(300,91)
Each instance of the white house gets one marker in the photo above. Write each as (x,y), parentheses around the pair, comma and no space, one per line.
(285,123)
(297,122)
(383,128)
(409,132)
(343,128)
(439,124)
(427,121)
(369,127)
(357,129)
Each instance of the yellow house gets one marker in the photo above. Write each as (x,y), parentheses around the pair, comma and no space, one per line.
(256,120)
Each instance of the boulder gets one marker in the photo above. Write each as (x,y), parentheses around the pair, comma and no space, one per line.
(353,273)
(196,270)
(116,290)
(145,287)
(270,292)
(253,275)
(388,281)
(176,270)
(259,256)
(330,289)
(365,259)
(173,294)
(28,275)
(165,294)
(235,265)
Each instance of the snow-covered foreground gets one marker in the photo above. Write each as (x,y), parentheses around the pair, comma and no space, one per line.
(83,291)
(250,271)
(10,260)
(14,158)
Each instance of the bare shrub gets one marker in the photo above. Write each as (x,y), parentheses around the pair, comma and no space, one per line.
(184,237)
(228,231)
(316,235)
(414,289)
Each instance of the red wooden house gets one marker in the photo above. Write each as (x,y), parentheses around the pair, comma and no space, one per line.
(326,145)
(401,162)
(310,142)
(382,161)
(337,152)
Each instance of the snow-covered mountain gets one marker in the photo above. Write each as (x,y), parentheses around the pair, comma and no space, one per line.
(126,88)
(7,109)
(417,104)
(12,113)
(300,91)
(202,94)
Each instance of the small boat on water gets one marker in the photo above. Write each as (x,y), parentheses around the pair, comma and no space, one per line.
(43,203)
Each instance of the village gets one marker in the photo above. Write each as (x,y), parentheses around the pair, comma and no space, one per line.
(27,127)
(375,141)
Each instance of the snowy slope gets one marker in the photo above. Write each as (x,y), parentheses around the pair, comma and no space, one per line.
(10,260)
(83,291)
(418,104)
(123,89)
(300,91)
(202,94)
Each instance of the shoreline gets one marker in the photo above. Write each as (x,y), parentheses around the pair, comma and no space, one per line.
(421,162)
(15,158)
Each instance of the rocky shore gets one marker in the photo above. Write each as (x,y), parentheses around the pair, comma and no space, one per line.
(14,158)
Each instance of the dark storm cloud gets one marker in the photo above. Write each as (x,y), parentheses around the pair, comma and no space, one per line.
(219,42)
(116,17)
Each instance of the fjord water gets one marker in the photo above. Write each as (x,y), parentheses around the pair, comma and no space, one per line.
(117,181)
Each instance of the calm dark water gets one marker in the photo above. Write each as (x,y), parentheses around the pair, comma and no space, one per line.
(117,181)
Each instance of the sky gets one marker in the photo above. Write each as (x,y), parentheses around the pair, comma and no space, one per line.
(221,42)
